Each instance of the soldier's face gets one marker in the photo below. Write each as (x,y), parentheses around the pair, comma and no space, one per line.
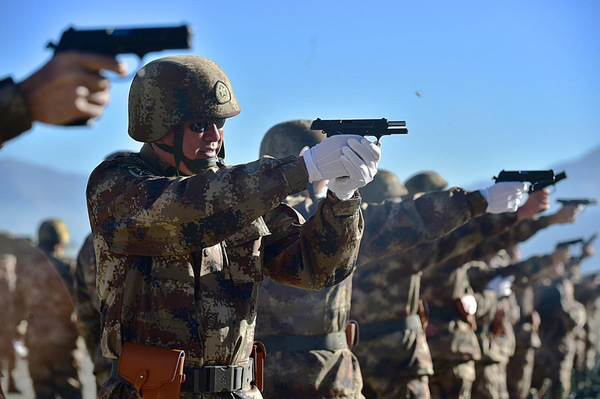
(202,140)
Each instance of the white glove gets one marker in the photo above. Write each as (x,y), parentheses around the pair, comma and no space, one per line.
(504,196)
(323,161)
(502,286)
(361,159)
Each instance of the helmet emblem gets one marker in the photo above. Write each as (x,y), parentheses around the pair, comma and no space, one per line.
(222,93)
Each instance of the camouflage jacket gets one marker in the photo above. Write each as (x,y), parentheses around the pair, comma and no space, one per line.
(87,304)
(14,111)
(180,258)
(41,298)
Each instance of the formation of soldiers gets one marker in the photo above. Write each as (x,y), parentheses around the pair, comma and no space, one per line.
(357,285)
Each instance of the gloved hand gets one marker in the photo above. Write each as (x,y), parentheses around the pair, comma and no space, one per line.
(502,286)
(504,196)
(361,159)
(323,161)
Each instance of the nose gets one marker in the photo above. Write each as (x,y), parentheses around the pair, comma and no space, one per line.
(212,134)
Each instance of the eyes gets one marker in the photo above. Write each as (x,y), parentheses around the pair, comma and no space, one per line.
(200,127)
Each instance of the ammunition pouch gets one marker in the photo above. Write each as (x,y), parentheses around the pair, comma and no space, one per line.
(156,373)
(218,378)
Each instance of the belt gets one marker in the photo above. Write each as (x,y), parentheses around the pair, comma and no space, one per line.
(302,343)
(218,378)
(209,378)
(369,331)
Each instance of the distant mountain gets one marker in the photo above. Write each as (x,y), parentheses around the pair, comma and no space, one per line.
(31,193)
(583,181)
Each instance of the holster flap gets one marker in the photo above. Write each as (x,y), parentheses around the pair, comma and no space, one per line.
(149,367)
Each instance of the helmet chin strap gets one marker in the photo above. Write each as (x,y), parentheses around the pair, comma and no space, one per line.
(194,165)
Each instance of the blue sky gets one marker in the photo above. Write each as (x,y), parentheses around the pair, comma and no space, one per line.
(505,85)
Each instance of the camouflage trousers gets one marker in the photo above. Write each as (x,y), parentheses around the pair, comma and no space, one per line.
(556,365)
(490,381)
(312,374)
(118,388)
(452,380)
(396,365)
(54,373)
(519,372)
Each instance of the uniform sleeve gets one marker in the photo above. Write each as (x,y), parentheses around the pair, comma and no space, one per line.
(138,213)
(88,312)
(14,111)
(318,253)
(392,228)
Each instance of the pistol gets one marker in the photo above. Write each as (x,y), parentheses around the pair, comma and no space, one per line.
(360,127)
(113,41)
(568,243)
(577,201)
(538,178)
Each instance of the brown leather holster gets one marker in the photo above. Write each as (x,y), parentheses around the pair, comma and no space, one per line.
(498,327)
(352,333)
(259,355)
(156,373)
(423,312)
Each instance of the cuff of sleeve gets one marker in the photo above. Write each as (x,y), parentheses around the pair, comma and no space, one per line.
(344,208)
(295,174)
(13,109)
(477,203)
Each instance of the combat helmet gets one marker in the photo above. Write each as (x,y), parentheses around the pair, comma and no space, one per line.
(169,91)
(52,232)
(385,186)
(288,138)
(424,182)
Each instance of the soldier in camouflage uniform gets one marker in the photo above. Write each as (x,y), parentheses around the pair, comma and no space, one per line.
(394,354)
(68,88)
(561,317)
(425,182)
(315,347)
(587,291)
(182,241)
(87,306)
(42,300)
(8,281)
(53,235)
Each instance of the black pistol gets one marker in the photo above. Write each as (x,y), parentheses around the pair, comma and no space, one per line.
(577,201)
(113,41)
(538,178)
(360,127)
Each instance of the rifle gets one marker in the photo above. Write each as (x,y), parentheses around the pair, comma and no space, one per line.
(577,201)
(360,127)
(111,41)
(538,178)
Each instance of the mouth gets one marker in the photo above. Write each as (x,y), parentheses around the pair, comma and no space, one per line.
(206,153)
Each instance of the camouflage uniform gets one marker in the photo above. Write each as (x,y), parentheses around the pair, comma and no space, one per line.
(561,315)
(336,374)
(180,258)
(8,324)
(42,300)
(495,330)
(393,349)
(454,346)
(87,306)
(587,292)
(14,111)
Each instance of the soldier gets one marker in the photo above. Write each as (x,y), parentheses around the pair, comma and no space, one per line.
(67,88)
(561,317)
(587,291)
(42,300)
(8,281)
(425,182)
(182,240)
(53,236)
(393,352)
(87,306)
(313,345)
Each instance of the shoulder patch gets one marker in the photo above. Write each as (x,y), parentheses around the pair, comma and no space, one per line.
(133,170)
